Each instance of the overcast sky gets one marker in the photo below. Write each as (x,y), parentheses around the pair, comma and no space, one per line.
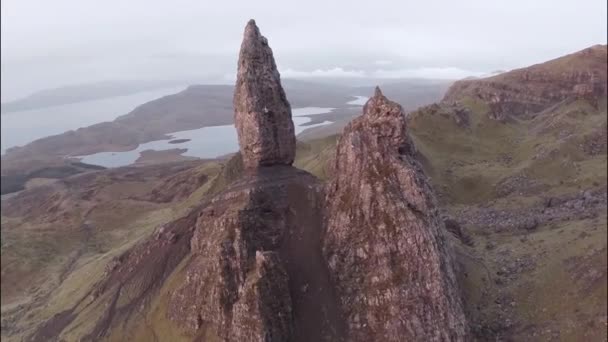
(54,43)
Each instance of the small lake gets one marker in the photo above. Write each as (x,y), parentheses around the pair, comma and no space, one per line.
(206,142)
(22,127)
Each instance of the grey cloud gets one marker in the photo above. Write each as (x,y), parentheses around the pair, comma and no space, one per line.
(53,43)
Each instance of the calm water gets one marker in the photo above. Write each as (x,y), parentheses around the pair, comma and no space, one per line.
(20,128)
(206,142)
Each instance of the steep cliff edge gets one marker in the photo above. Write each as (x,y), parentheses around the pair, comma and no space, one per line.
(384,243)
(531,191)
(257,273)
(526,91)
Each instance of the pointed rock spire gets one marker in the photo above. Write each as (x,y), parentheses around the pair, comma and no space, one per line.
(379,105)
(377,92)
(387,119)
(262,113)
(384,242)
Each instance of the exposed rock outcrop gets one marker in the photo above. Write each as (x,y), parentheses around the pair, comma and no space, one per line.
(257,272)
(581,75)
(234,264)
(265,296)
(262,113)
(568,207)
(384,243)
(271,258)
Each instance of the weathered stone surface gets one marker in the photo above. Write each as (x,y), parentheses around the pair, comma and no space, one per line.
(260,267)
(225,273)
(551,210)
(262,113)
(254,248)
(258,243)
(384,244)
(527,91)
(264,314)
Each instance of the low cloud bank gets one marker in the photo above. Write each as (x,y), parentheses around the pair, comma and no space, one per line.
(428,73)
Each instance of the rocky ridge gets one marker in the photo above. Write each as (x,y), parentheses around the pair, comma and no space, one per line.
(384,243)
(257,272)
(527,91)
(277,255)
(257,244)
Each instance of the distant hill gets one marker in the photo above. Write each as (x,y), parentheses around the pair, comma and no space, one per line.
(83,92)
(195,107)
(529,90)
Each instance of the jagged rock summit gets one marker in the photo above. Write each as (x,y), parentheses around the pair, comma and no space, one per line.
(385,244)
(257,272)
(261,111)
(386,119)
(528,91)
(276,255)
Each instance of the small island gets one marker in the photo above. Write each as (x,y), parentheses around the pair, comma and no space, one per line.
(165,156)
(178,141)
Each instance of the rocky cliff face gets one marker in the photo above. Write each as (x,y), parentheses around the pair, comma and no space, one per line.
(260,269)
(272,258)
(257,272)
(261,111)
(581,75)
(384,243)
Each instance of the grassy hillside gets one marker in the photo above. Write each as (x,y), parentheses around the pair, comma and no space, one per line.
(497,179)
(53,255)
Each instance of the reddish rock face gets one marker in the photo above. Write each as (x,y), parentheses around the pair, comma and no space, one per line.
(234,267)
(271,257)
(264,314)
(581,75)
(387,255)
(261,111)
(257,272)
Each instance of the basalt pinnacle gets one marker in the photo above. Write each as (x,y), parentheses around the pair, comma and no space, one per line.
(384,243)
(261,111)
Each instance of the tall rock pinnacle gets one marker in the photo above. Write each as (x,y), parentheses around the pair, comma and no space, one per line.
(261,111)
(384,242)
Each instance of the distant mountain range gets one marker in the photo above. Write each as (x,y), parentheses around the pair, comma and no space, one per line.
(101,90)
(84,92)
(199,106)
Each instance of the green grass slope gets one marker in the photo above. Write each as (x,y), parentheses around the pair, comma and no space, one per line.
(547,280)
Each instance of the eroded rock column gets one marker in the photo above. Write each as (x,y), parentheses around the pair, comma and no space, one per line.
(261,111)
(388,258)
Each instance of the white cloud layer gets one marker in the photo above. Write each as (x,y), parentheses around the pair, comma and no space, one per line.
(333,72)
(383,62)
(450,73)
(53,43)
